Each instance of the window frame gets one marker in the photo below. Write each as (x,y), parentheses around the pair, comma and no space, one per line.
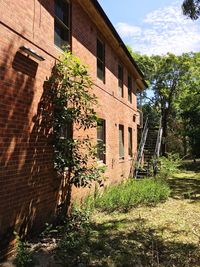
(101,60)
(103,159)
(130,142)
(120,80)
(130,86)
(121,156)
(66,132)
(62,24)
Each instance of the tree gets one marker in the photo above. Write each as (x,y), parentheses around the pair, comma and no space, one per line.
(191,8)
(189,106)
(167,76)
(167,81)
(70,88)
(149,110)
(175,81)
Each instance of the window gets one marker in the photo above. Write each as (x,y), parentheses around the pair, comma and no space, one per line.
(101,140)
(100,60)
(129,89)
(121,141)
(130,142)
(61,23)
(139,99)
(66,132)
(120,80)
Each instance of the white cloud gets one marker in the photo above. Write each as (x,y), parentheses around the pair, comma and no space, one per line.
(163,30)
(126,30)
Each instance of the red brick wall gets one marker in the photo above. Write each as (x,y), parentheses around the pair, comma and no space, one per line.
(28,184)
(114,109)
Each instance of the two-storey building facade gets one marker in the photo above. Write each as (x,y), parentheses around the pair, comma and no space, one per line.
(32,34)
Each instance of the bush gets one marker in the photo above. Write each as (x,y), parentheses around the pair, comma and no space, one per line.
(24,257)
(169,165)
(72,249)
(131,193)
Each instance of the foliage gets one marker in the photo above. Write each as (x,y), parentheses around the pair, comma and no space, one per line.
(152,113)
(166,75)
(24,257)
(73,108)
(189,106)
(169,165)
(175,82)
(76,245)
(154,236)
(191,8)
(131,193)
(72,248)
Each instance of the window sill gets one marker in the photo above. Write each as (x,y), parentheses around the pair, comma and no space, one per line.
(121,160)
(100,80)
(100,162)
(61,50)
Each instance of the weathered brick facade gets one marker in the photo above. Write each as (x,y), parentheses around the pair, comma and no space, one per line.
(28,185)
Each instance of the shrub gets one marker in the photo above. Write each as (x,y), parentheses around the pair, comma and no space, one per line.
(169,165)
(24,257)
(131,193)
(72,249)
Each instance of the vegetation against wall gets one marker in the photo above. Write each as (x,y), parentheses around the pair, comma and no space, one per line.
(73,109)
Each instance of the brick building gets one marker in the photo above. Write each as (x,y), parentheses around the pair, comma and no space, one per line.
(31,35)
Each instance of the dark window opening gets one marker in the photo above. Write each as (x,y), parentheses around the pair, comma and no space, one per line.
(66,131)
(120,81)
(129,89)
(121,141)
(130,142)
(100,60)
(101,140)
(62,23)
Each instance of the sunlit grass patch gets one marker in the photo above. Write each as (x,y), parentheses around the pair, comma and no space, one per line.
(131,193)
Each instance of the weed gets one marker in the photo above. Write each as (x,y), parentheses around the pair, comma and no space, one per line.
(24,257)
(169,165)
(72,248)
(124,196)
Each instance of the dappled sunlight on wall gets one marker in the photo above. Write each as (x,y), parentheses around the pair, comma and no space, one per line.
(28,183)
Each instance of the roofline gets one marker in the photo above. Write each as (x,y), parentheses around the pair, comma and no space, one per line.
(116,35)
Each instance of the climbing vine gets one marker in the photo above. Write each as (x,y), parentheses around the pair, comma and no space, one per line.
(73,109)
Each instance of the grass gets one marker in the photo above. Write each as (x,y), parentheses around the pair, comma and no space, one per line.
(129,194)
(163,235)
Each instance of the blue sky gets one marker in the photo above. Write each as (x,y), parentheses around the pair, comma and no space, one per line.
(153,26)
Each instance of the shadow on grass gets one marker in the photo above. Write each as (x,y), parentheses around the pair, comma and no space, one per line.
(185,187)
(111,244)
(190,165)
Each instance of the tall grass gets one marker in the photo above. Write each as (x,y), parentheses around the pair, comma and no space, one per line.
(131,193)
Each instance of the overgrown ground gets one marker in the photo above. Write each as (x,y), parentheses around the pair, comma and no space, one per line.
(167,234)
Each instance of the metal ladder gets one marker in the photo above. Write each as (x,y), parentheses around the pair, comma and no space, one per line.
(156,154)
(141,147)
(157,148)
